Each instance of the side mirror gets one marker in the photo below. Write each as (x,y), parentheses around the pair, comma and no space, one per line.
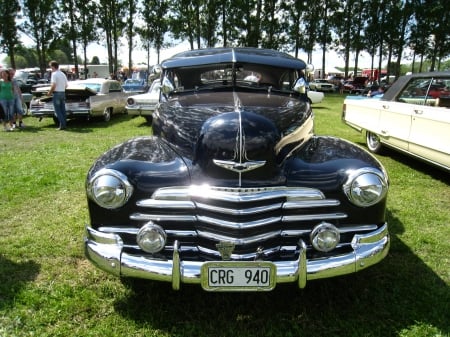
(300,86)
(167,86)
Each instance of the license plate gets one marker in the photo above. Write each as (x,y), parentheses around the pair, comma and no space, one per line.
(238,276)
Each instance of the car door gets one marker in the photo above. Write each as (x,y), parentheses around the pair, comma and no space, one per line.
(396,116)
(395,123)
(430,128)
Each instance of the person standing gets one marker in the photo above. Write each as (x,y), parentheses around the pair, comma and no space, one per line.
(7,100)
(18,101)
(58,89)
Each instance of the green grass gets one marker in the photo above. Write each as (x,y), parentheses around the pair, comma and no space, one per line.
(47,288)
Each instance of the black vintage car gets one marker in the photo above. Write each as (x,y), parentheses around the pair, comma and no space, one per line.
(233,190)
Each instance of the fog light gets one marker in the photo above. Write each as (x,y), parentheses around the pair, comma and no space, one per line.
(151,238)
(325,237)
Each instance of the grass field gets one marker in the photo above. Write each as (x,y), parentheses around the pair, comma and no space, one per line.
(47,288)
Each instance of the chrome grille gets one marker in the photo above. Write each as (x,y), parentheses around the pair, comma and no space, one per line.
(269,220)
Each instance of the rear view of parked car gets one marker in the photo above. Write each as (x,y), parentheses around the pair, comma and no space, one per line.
(233,191)
(95,97)
(144,104)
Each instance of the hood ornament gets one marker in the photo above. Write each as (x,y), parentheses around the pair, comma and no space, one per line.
(239,167)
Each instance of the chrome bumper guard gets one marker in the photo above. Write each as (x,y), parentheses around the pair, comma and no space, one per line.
(105,251)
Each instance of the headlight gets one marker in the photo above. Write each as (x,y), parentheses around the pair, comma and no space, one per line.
(325,237)
(365,187)
(109,188)
(151,238)
(130,101)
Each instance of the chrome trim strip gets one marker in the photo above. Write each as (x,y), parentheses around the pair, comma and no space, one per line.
(235,194)
(118,230)
(306,217)
(236,241)
(166,204)
(239,225)
(237,212)
(193,234)
(162,217)
(105,251)
(311,203)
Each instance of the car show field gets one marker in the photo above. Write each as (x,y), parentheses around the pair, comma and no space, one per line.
(49,289)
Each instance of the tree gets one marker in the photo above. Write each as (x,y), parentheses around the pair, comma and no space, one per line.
(110,13)
(131,6)
(9,10)
(86,31)
(182,21)
(40,26)
(157,24)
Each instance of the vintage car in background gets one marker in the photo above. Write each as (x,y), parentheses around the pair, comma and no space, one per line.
(135,85)
(412,116)
(321,85)
(95,97)
(144,104)
(233,191)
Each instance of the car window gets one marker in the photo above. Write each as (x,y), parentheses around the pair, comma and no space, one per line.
(426,91)
(93,86)
(227,75)
(115,87)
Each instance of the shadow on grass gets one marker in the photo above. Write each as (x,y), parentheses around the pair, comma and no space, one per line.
(380,301)
(13,277)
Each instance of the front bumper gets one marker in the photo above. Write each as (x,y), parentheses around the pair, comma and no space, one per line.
(105,251)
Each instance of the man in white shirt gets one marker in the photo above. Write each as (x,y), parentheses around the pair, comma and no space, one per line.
(58,89)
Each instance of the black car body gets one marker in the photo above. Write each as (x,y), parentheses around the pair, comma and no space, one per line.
(233,190)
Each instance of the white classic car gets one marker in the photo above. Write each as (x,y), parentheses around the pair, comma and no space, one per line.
(321,85)
(413,116)
(144,104)
(95,97)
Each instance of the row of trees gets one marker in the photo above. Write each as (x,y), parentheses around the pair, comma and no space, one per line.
(384,29)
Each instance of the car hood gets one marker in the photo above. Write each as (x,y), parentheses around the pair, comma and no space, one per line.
(235,136)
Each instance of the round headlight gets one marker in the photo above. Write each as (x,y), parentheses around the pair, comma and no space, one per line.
(151,238)
(325,237)
(130,101)
(109,188)
(366,187)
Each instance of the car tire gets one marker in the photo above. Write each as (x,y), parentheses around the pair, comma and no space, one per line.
(107,114)
(25,108)
(373,142)
(149,119)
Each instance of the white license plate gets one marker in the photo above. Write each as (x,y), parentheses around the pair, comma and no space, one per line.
(238,276)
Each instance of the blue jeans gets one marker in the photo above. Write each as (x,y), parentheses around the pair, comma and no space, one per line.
(59,103)
(18,105)
(8,108)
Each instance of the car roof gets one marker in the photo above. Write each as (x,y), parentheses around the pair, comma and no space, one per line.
(233,55)
(392,92)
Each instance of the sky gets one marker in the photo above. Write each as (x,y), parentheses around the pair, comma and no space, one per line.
(139,56)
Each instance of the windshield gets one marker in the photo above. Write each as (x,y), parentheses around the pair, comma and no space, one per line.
(232,75)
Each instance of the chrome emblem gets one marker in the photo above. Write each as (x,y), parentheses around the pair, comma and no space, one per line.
(225,249)
(239,167)
(240,162)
